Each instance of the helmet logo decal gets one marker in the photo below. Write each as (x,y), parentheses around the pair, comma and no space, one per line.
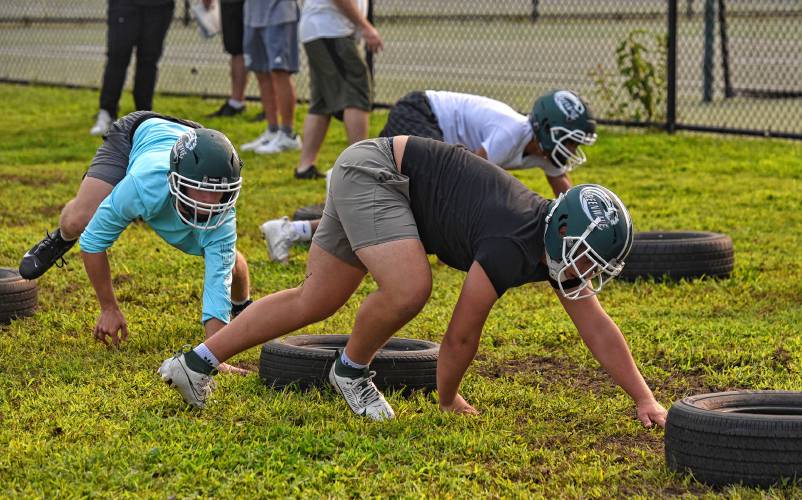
(597,205)
(569,104)
(185,143)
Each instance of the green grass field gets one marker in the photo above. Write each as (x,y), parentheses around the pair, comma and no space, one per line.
(78,420)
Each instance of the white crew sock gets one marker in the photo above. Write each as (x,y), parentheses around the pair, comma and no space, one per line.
(344,359)
(303,228)
(205,354)
(235,103)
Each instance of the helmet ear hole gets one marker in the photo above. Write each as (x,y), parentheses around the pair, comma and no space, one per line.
(563,230)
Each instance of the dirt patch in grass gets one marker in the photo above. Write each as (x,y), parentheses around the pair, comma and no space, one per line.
(40,179)
(561,372)
(552,372)
(120,279)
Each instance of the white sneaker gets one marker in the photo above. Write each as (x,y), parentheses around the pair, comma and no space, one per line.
(279,235)
(194,387)
(362,395)
(265,138)
(282,142)
(102,124)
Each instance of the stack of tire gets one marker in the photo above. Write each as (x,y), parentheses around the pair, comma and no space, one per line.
(739,437)
(304,361)
(18,297)
(680,254)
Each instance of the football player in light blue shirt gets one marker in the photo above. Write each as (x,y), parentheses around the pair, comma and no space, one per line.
(183,182)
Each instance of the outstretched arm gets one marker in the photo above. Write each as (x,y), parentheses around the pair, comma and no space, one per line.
(462,338)
(559,184)
(111,322)
(605,341)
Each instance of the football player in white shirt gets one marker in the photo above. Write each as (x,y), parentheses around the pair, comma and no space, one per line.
(549,138)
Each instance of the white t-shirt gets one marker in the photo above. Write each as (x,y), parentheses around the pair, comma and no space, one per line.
(323,19)
(475,121)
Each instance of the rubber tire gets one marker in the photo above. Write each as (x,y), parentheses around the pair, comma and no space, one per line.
(18,297)
(675,255)
(309,212)
(721,447)
(305,360)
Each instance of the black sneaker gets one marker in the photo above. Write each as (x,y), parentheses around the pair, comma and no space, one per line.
(309,173)
(44,254)
(237,309)
(259,118)
(227,110)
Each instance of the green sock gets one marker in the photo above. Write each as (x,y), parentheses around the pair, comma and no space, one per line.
(343,370)
(196,363)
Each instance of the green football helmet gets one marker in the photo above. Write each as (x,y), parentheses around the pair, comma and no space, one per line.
(588,236)
(205,160)
(561,119)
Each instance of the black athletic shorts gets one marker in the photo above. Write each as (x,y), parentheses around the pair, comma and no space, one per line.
(111,159)
(412,115)
(233,24)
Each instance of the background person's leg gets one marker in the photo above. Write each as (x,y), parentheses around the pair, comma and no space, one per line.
(239,77)
(356,124)
(329,284)
(268,97)
(155,21)
(284,90)
(404,276)
(121,35)
(315,128)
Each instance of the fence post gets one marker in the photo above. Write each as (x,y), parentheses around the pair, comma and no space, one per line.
(186,18)
(707,64)
(671,68)
(725,49)
(368,53)
(535,10)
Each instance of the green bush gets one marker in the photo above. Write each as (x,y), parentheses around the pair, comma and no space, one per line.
(641,72)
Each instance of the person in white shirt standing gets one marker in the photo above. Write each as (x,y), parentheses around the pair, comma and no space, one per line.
(549,138)
(340,83)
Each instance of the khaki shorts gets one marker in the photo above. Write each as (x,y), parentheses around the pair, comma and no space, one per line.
(367,203)
(338,76)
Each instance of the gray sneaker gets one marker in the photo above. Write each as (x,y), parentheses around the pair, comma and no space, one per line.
(194,387)
(362,395)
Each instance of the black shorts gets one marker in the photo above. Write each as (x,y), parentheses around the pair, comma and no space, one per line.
(111,159)
(412,115)
(233,24)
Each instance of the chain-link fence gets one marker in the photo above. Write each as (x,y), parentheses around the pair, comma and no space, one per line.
(736,67)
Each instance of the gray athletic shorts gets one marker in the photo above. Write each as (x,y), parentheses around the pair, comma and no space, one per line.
(271,48)
(367,203)
(111,159)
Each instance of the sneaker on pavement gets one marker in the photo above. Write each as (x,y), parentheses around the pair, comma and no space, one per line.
(279,235)
(103,123)
(361,394)
(282,142)
(263,139)
(44,254)
(227,110)
(194,387)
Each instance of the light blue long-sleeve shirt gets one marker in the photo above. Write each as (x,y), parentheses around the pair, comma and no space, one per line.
(144,193)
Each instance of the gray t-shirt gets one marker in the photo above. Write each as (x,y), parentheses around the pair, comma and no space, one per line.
(261,13)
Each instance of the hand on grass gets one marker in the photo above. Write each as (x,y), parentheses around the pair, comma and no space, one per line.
(111,323)
(650,412)
(232,370)
(459,406)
